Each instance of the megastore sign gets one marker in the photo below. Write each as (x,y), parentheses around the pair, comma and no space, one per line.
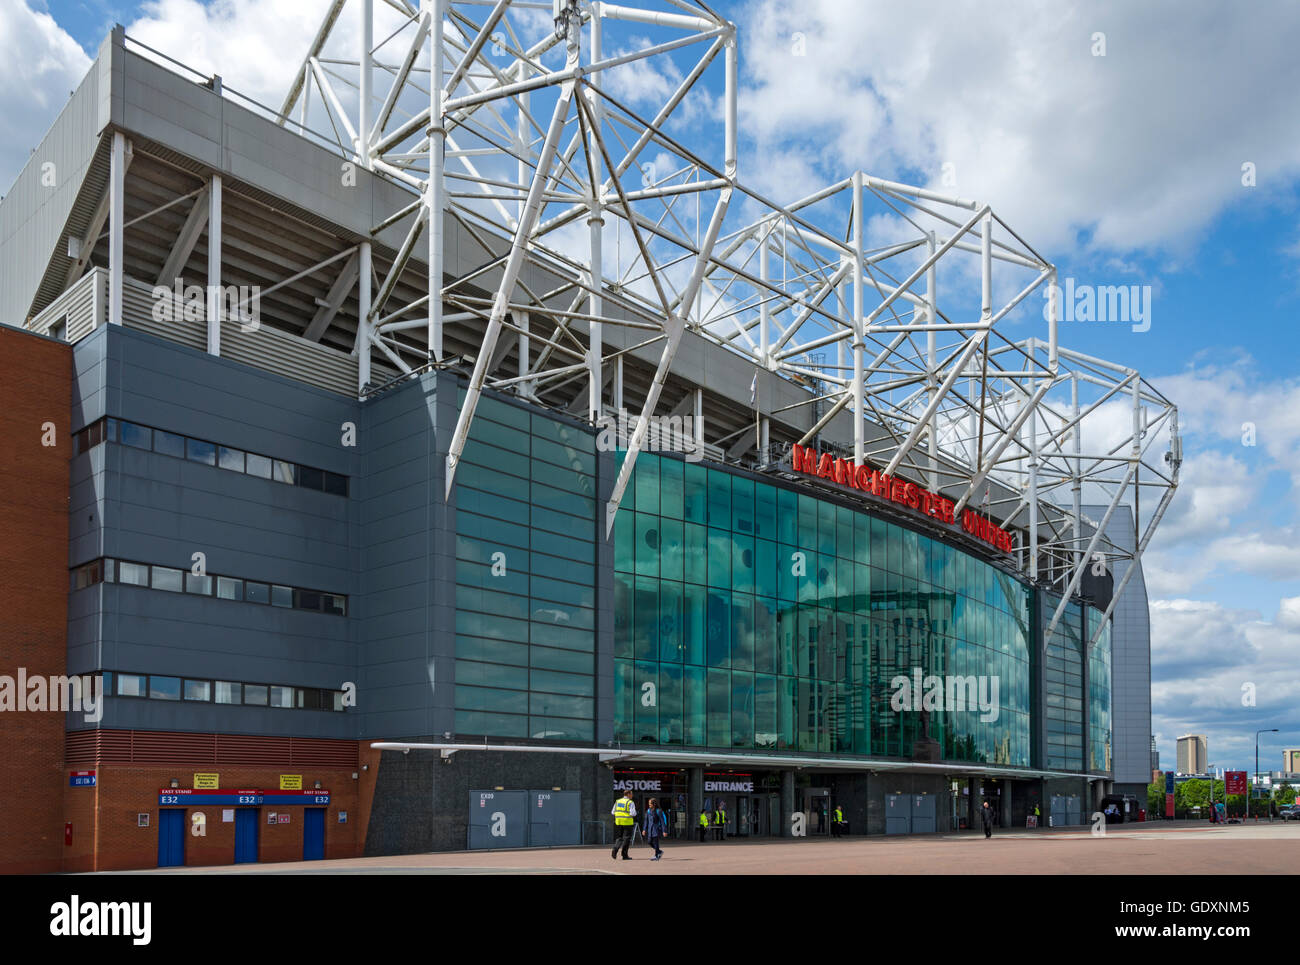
(845,472)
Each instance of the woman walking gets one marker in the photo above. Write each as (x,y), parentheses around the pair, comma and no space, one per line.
(653,826)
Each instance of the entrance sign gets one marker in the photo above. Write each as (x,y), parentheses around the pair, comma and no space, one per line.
(742,787)
(1235,782)
(863,478)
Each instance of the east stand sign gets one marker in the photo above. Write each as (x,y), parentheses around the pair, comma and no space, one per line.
(844,472)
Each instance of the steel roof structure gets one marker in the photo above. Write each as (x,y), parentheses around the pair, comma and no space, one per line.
(520,216)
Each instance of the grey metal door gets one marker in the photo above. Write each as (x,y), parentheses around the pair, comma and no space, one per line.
(498,819)
(924,818)
(898,814)
(553,819)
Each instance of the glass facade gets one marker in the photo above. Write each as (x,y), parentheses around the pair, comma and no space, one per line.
(747,616)
(1099,695)
(750,616)
(525,577)
(1063,690)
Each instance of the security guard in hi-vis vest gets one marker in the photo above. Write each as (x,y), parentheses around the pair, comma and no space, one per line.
(837,824)
(704,823)
(624,812)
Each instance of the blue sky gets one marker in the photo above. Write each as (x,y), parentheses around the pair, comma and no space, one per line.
(1122,168)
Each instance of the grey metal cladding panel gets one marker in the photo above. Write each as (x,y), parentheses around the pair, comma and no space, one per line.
(33,215)
(165,107)
(387,520)
(395,725)
(173,387)
(411,696)
(127,713)
(184,633)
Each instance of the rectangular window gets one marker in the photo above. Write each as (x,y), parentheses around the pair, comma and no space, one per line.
(259,466)
(255,694)
(229,589)
(198,690)
(130,685)
(335,484)
(228,692)
(282,471)
(232,459)
(132,574)
(204,452)
(281,696)
(310,478)
(138,436)
(335,604)
(257,592)
(201,585)
(281,595)
(164,688)
(168,444)
(306,600)
(167,579)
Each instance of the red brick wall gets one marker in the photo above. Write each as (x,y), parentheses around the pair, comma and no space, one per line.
(35,388)
(125,791)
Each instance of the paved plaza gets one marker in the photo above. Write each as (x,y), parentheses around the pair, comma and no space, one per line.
(1182,848)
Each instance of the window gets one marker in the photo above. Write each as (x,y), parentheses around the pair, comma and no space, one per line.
(335,604)
(282,471)
(198,690)
(137,436)
(281,696)
(232,459)
(227,692)
(132,574)
(259,466)
(201,585)
(204,452)
(88,575)
(257,592)
(335,484)
(167,579)
(130,685)
(169,444)
(306,600)
(229,589)
(310,478)
(255,694)
(281,595)
(164,688)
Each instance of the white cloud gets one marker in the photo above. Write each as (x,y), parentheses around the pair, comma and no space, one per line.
(1139,148)
(1208,659)
(39,65)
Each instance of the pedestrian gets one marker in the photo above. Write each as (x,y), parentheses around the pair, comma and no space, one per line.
(722,822)
(653,826)
(624,812)
(1038,817)
(837,824)
(986,814)
(704,823)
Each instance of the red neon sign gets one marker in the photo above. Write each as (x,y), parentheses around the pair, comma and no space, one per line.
(865,479)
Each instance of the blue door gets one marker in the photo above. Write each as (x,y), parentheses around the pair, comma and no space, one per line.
(246,821)
(171,837)
(313,834)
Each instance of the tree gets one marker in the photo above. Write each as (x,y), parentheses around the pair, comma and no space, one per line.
(1155,798)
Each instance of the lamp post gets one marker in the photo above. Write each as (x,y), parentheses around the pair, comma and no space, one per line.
(1209,769)
(1255,776)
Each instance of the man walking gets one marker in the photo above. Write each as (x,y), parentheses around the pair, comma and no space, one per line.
(986,814)
(653,826)
(837,822)
(624,812)
(704,823)
(1038,817)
